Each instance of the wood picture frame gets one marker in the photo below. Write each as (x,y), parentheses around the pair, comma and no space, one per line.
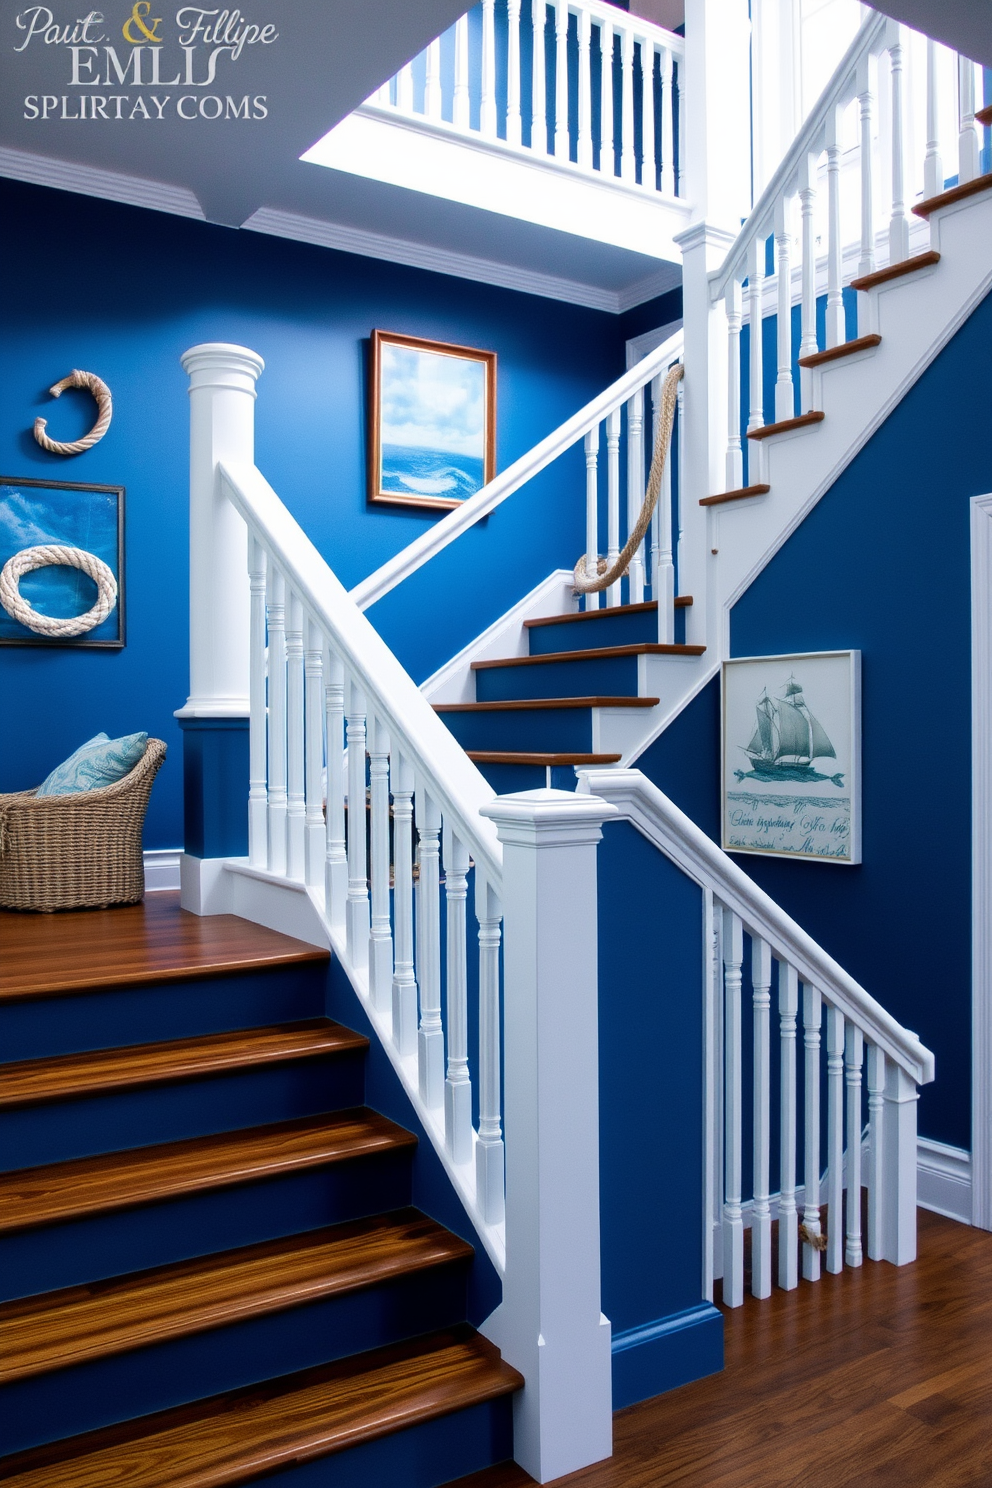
(36,512)
(790,756)
(432,421)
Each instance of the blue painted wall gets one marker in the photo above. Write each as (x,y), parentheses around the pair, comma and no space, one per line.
(123,292)
(883,564)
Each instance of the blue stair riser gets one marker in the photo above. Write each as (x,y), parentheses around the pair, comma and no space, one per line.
(51,1406)
(112,1244)
(61,1130)
(619,628)
(555,730)
(505,779)
(40,1027)
(595,676)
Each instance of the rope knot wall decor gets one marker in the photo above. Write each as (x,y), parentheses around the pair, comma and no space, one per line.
(105,407)
(27,560)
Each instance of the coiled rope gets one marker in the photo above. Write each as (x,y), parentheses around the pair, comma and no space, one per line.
(591,573)
(29,559)
(105,407)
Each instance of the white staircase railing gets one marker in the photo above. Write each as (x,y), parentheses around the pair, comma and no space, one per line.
(873,1067)
(577,83)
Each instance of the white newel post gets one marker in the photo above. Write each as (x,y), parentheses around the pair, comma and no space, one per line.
(550,1325)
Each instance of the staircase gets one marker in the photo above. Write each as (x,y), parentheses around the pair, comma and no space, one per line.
(212,1271)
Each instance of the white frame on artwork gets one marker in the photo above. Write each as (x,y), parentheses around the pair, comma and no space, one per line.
(767,673)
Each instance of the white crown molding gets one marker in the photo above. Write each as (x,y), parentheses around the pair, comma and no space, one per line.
(93,180)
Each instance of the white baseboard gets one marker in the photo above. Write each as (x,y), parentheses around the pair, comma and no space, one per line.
(943,1177)
(162,868)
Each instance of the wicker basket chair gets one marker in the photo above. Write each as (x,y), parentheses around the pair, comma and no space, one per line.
(80,851)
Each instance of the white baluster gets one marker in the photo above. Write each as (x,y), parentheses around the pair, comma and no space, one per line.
(812,1011)
(899,222)
(649,170)
(461,103)
(876,1154)
(628,159)
(539,100)
(635,488)
(667,104)
(755,279)
(853,1057)
(457,1084)
(933,165)
(969,145)
(314,715)
(785,404)
(276,607)
(584,154)
(592,511)
(807,340)
(430,1042)
(380,929)
(836,328)
(733,1223)
(835,1140)
(664,572)
(788,1230)
(336,856)
(735,455)
(296,810)
(514,125)
(432,89)
(899,1146)
(404,981)
(607,157)
(613,499)
(257,792)
(404,89)
(487,109)
(489,1148)
(761,1219)
(357,916)
(561,80)
(866,105)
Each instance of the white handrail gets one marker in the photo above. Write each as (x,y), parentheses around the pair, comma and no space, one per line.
(455,783)
(436,538)
(661,821)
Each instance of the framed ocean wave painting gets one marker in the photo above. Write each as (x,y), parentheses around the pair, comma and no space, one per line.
(432,421)
(791,756)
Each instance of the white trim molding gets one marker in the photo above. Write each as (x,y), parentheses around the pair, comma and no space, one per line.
(161,868)
(981,874)
(93,180)
(943,1179)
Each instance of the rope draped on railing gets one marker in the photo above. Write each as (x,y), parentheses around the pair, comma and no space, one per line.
(591,574)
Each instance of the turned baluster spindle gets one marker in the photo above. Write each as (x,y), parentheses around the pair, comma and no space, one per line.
(635,488)
(733,1222)
(257,788)
(404,89)
(432,88)
(487,108)
(357,915)
(628,157)
(461,112)
(807,338)
(755,280)
(404,981)
(853,1059)
(607,155)
(613,500)
(276,616)
(835,1140)
(457,1084)
(592,511)
(785,398)
(835,328)
(933,165)
(514,122)
(561,80)
(649,169)
(430,1041)
(296,807)
(667,105)
(866,262)
(584,153)
(969,145)
(876,1153)
(761,1218)
(489,1147)
(788,1227)
(335,848)
(899,222)
(812,1015)
(313,669)
(539,90)
(380,929)
(735,454)
(664,571)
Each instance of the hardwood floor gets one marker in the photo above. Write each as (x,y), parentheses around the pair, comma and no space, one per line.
(878,1378)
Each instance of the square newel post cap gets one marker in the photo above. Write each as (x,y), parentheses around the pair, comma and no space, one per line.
(549,818)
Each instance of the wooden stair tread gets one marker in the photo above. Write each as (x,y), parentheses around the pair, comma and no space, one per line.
(636,648)
(955,194)
(801,421)
(248,1433)
(743,493)
(648,606)
(984,115)
(897,270)
(518,757)
(33,1080)
(523,704)
(845,349)
(132,945)
(144,1175)
(76,1324)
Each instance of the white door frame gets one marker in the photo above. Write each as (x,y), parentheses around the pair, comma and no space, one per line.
(981,891)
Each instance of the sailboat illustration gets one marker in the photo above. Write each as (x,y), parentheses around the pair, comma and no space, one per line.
(787,739)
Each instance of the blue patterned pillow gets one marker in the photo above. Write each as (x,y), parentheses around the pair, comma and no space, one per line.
(100,761)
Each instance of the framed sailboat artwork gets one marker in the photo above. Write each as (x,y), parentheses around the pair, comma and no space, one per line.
(791,756)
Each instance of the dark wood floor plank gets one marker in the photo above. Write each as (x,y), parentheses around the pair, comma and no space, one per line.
(132,945)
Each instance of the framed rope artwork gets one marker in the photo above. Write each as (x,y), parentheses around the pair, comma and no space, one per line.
(61,564)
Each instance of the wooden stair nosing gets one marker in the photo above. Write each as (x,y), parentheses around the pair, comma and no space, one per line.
(57,1192)
(249,1433)
(682,601)
(78,1324)
(743,493)
(845,349)
(984,115)
(518,757)
(955,194)
(897,270)
(97,1072)
(784,426)
(636,648)
(523,705)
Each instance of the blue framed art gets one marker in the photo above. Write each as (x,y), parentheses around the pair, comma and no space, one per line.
(43,513)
